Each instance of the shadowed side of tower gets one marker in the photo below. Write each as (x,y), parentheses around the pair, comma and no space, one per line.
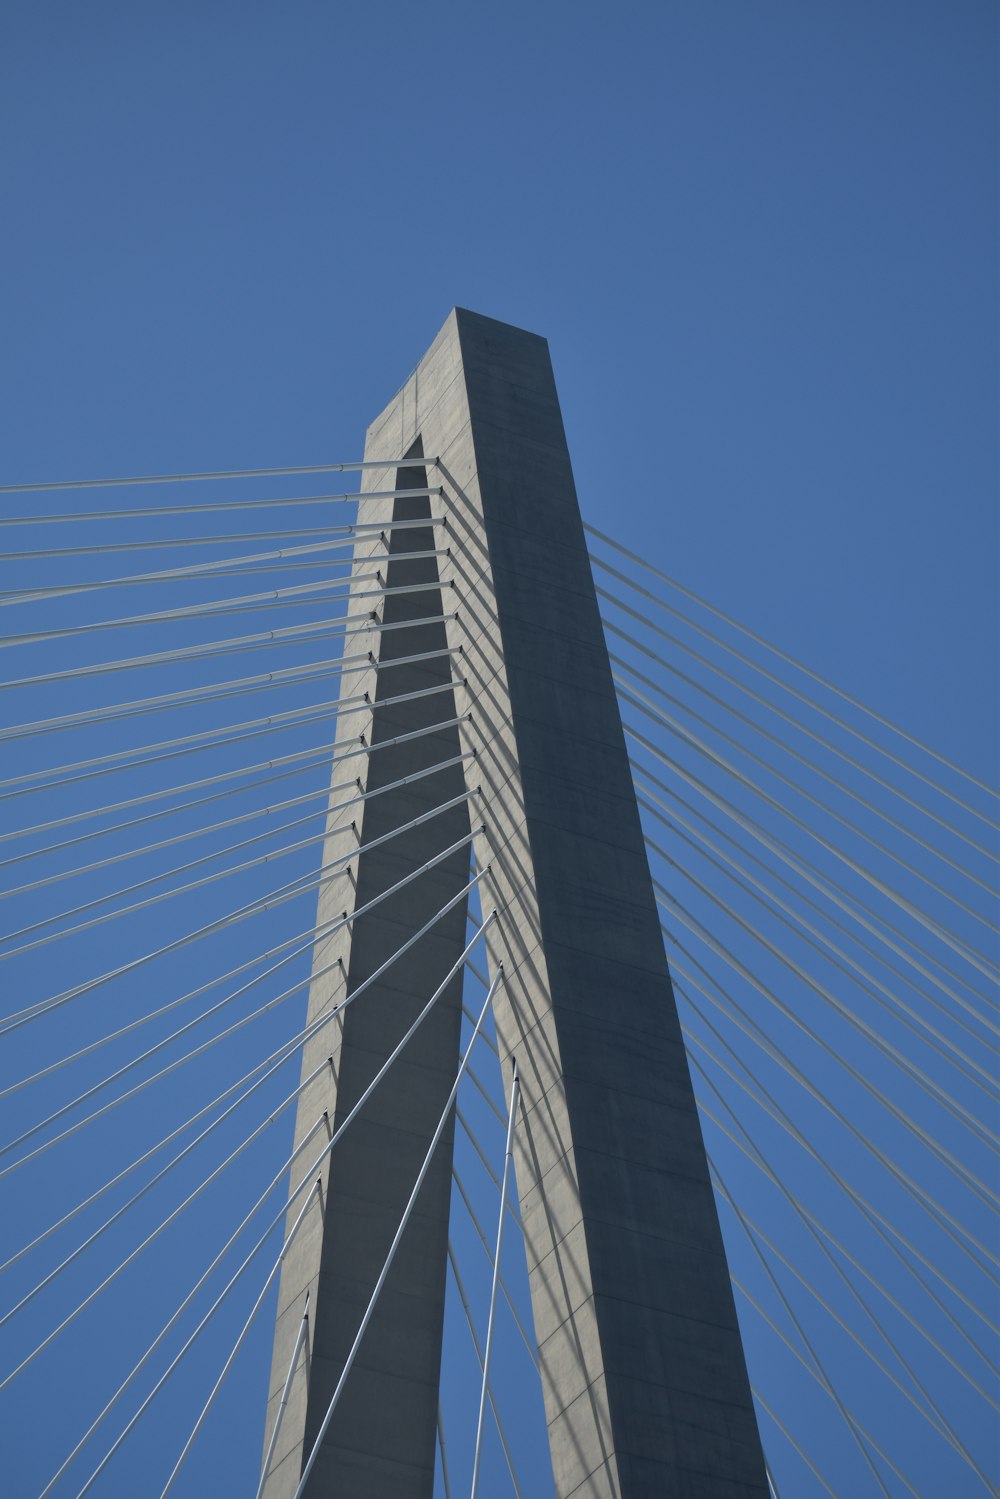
(381,1439)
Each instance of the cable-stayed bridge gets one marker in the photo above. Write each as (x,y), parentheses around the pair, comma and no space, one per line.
(313,828)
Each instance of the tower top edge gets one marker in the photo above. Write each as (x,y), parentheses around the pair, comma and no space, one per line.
(469,335)
(465,317)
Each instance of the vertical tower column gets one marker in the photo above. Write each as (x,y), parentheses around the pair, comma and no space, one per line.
(643,1375)
(381,1440)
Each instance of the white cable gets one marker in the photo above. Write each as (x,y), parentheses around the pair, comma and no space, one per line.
(384,1273)
(153,1181)
(308,634)
(532,1354)
(821,883)
(881,1225)
(196,832)
(270,598)
(309,671)
(163,793)
(831,780)
(482,979)
(293,759)
(792,1442)
(963,949)
(161,1144)
(221,736)
(324,930)
(344,666)
(298,595)
(150,1015)
(911,1017)
(467,1310)
(322,629)
(227,1366)
(511,1209)
(832,1239)
(791,661)
(945,1219)
(186,696)
(347,534)
(444,1458)
(130,1258)
(164,895)
(298,763)
(345,920)
(343,537)
(659,715)
(916,1074)
(826,915)
(165,874)
(254,863)
(811,1371)
(234,567)
(809,702)
(873,1217)
(285,1392)
(935,1419)
(824,1378)
(308,1180)
(189,1298)
(358,1106)
(278,896)
(485,1095)
(801,728)
(234,473)
(311,1030)
(316,1165)
(515,1090)
(335,569)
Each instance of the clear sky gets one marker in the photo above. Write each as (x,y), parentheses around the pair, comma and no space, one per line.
(762,240)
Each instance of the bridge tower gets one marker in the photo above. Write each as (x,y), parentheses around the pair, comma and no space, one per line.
(489,659)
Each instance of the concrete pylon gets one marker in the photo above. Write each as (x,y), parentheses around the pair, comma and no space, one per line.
(644,1381)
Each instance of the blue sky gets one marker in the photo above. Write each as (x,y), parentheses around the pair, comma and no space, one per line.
(762,241)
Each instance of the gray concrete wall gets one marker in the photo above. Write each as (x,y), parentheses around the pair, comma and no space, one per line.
(643,1375)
